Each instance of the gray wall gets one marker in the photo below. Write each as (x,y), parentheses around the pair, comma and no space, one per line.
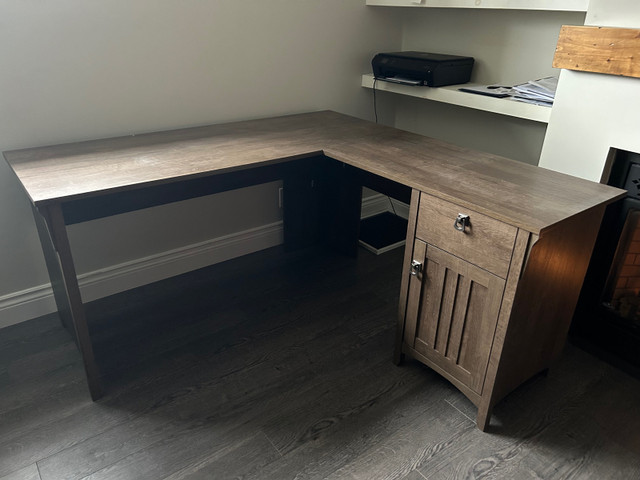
(83,69)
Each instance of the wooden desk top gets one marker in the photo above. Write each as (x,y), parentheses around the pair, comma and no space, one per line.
(523,195)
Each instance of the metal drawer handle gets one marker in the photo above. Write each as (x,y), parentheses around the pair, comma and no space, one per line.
(416,267)
(462,221)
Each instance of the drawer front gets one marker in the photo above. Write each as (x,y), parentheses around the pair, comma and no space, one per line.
(485,241)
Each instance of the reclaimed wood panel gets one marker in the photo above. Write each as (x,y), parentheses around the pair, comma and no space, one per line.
(614,51)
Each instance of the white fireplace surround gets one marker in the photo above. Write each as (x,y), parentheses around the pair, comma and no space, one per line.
(594,112)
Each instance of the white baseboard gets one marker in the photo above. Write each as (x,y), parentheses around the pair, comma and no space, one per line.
(20,306)
(34,302)
(379,203)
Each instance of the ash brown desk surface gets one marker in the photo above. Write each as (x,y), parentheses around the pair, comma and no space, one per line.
(526,196)
(55,177)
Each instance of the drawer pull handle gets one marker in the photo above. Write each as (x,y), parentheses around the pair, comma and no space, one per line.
(416,268)
(462,221)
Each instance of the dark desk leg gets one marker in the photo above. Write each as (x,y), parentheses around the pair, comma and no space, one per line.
(322,203)
(57,253)
(301,205)
(342,192)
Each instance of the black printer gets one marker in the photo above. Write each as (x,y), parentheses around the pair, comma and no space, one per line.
(422,68)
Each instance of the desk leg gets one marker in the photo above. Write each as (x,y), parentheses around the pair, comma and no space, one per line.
(301,206)
(64,282)
(342,208)
(322,202)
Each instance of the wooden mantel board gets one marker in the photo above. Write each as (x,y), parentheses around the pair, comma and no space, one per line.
(615,51)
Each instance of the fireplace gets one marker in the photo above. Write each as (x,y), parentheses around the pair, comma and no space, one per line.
(596,107)
(607,317)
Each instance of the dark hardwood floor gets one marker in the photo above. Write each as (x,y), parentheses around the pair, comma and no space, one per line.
(278,366)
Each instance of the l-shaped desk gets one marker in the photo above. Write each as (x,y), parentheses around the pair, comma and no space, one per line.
(496,250)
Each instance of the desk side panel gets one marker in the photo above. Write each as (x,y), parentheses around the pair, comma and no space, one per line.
(545,300)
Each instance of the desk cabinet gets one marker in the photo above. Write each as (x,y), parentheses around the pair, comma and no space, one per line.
(480,297)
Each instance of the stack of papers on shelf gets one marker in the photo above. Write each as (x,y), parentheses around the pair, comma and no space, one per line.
(538,92)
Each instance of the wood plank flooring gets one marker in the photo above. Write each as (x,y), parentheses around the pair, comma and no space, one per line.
(278,366)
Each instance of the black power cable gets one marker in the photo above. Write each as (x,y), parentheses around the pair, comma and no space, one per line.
(375,103)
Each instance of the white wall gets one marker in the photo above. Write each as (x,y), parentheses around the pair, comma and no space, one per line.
(613,13)
(593,111)
(82,69)
(509,47)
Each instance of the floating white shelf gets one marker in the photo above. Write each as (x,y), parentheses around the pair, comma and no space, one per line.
(451,94)
(550,5)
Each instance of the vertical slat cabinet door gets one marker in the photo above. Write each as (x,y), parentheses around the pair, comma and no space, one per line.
(452,312)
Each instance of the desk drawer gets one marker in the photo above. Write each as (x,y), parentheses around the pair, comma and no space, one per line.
(485,242)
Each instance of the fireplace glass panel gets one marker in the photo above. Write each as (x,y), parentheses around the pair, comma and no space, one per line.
(607,317)
(622,290)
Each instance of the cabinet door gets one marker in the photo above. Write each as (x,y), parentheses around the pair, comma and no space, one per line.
(452,312)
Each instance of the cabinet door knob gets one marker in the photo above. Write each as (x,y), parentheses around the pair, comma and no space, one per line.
(416,267)
(462,221)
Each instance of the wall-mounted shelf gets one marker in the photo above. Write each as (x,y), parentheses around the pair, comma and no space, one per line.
(451,94)
(550,5)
